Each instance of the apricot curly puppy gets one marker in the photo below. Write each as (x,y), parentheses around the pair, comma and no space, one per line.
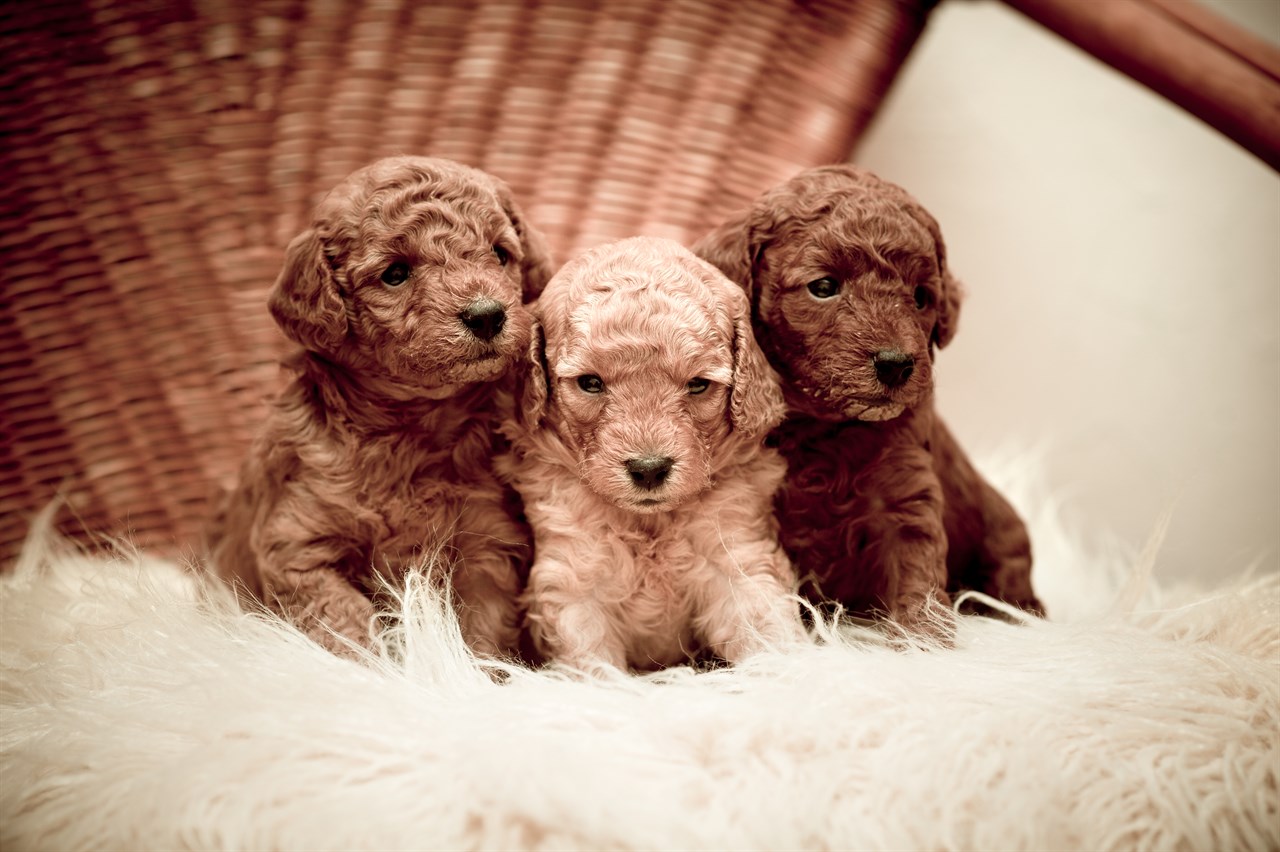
(406,296)
(641,464)
(851,294)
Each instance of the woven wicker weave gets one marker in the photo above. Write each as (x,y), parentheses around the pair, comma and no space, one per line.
(159,155)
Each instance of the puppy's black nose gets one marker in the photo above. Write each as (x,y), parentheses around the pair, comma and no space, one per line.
(649,472)
(893,368)
(484,317)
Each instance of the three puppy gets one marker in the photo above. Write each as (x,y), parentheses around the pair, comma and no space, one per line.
(406,296)
(851,295)
(639,455)
(638,441)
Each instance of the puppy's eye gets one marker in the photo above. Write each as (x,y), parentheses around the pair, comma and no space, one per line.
(591,384)
(501,254)
(697,386)
(922,297)
(396,274)
(824,288)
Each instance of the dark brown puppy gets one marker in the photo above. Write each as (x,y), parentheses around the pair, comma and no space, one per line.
(406,296)
(851,295)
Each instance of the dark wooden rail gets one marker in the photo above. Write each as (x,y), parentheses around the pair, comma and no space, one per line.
(1210,67)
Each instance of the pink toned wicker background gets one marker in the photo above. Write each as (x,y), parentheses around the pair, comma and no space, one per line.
(158,156)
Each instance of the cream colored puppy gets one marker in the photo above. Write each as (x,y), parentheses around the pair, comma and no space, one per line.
(640,459)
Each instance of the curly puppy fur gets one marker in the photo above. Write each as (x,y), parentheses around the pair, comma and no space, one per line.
(881,510)
(639,456)
(406,296)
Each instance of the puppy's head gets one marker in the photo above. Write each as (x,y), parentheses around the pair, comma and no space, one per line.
(849,279)
(644,364)
(416,269)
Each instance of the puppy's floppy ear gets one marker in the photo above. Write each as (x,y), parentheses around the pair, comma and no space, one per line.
(948,308)
(533,382)
(304,301)
(731,248)
(756,405)
(944,328)
(536,268)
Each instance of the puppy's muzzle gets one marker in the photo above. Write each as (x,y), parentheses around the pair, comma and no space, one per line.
(893,368)
(649,472)
(484,318)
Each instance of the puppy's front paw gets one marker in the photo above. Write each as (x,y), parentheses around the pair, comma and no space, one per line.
(1032,605)
(344,628)
(931,619)
(490,627)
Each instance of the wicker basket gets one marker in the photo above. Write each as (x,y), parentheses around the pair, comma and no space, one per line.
(159,155)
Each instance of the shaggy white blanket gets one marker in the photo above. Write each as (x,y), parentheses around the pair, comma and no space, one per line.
(139,711)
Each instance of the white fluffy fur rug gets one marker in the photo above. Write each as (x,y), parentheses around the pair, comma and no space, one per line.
(139,712)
